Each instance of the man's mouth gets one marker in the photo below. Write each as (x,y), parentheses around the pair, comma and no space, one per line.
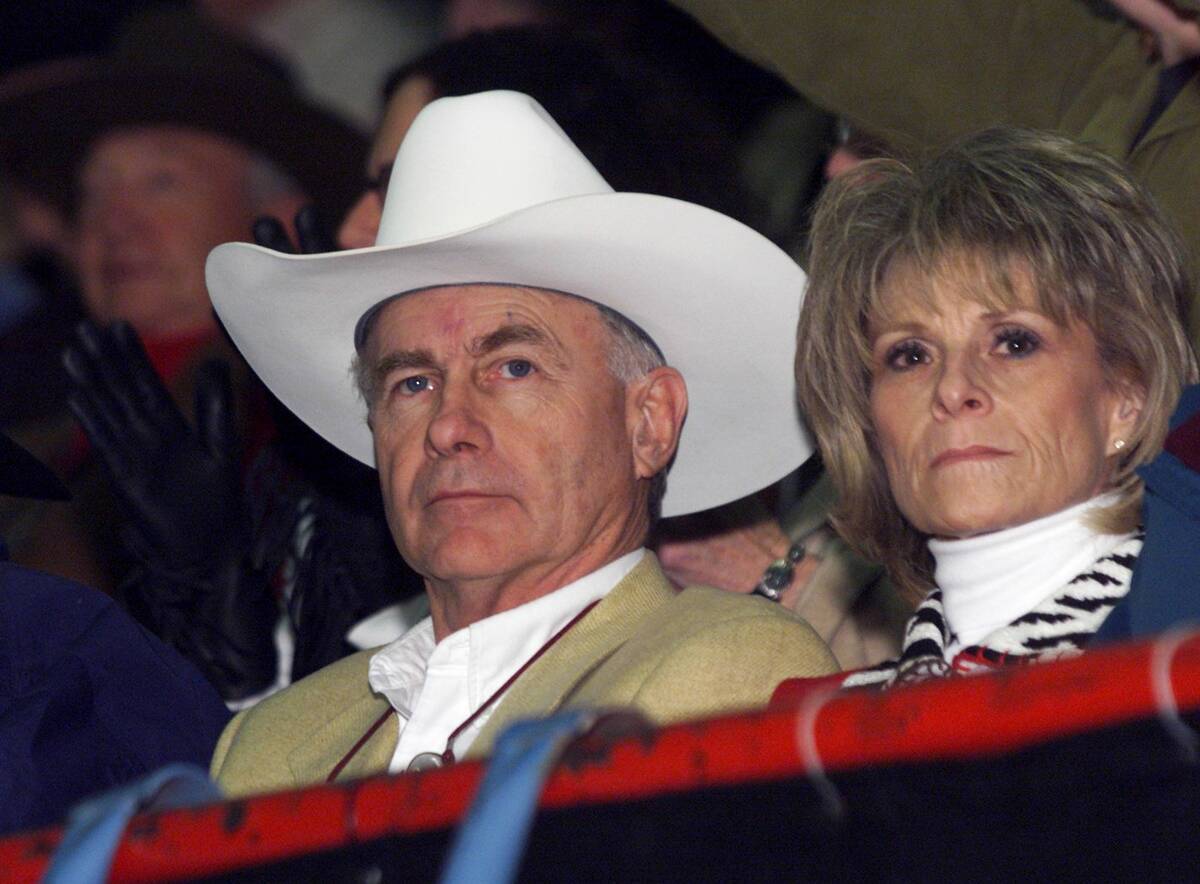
(460,497)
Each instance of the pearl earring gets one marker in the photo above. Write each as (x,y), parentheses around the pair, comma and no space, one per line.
(1119,444)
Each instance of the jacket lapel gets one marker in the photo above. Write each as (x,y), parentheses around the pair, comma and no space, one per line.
(327,746)
(549,682)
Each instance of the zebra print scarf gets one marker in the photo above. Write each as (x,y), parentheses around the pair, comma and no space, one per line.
(1060,626)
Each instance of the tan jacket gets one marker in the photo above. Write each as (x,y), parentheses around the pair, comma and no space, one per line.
(672,656)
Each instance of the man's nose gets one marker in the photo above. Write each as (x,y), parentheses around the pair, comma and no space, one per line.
(361,224)
(961,388)
(114,214)
(458,426)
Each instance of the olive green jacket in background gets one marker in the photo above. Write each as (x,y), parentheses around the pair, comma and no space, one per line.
(671,656)
(849,601)
(920,73)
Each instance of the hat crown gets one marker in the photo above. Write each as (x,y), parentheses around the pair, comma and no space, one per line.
(470,160)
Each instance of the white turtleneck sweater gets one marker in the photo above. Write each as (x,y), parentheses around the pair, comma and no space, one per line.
(990,580)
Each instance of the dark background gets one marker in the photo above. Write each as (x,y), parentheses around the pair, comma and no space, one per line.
(33,30)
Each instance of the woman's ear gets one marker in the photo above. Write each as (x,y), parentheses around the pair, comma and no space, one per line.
(1127,406)
(656,405)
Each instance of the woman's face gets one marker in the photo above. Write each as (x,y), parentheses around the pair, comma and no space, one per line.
(361,224)
(987,420)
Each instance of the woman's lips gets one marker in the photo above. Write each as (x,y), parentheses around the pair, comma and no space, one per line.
(971,452)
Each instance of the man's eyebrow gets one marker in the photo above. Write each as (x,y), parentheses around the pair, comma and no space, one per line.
(399,360)
(517,333)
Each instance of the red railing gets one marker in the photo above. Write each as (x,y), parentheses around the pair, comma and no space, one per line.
(956,719)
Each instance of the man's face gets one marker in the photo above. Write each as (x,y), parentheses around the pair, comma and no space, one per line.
(154,202)
(501,437)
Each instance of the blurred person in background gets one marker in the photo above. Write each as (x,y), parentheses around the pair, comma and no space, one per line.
(174,143)
(338,51)
(39,306)
(851,148)
(614,107)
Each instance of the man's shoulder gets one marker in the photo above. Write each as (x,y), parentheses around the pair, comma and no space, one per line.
(733,635)
(318,696)
(704,613)
(709,607)
(255,751)
(706,652)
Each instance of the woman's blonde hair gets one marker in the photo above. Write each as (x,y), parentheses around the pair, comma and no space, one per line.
(1010,206)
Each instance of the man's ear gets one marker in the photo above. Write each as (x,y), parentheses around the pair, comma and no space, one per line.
(655,407)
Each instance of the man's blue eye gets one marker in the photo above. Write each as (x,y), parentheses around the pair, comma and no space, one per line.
(517,368)
(415,384)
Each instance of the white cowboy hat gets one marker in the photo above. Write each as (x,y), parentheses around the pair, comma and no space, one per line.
(487,188)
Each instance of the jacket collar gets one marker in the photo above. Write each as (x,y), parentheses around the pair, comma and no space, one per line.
(328,744)
(545,687)
(549,682)
(1180,114)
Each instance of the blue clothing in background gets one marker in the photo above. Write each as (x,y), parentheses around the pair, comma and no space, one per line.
(1166,581)
(88,699)
(18,297)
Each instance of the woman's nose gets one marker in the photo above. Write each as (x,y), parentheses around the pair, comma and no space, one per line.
(961,389)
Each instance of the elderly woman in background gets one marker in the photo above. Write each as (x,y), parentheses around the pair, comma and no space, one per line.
(989,350)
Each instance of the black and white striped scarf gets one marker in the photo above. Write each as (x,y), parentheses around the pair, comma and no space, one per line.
(1060,626)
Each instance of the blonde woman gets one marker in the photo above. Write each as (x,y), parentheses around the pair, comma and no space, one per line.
(989,354)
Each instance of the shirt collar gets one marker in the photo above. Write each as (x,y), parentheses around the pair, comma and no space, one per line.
(492,648)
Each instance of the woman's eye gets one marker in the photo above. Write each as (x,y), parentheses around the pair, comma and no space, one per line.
(1018,342)
(516,368)
(905,355)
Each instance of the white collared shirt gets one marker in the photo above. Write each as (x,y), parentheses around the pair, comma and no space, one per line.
(434,688)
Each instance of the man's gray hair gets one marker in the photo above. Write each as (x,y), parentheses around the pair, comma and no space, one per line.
(632,354)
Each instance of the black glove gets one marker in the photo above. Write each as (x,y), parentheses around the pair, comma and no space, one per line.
(311,231)
(350,569)
(181,491)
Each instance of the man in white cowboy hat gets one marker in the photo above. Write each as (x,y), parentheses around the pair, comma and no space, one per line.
(526,344)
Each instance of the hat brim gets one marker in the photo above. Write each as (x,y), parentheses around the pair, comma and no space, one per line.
(719,300)
(47,130)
